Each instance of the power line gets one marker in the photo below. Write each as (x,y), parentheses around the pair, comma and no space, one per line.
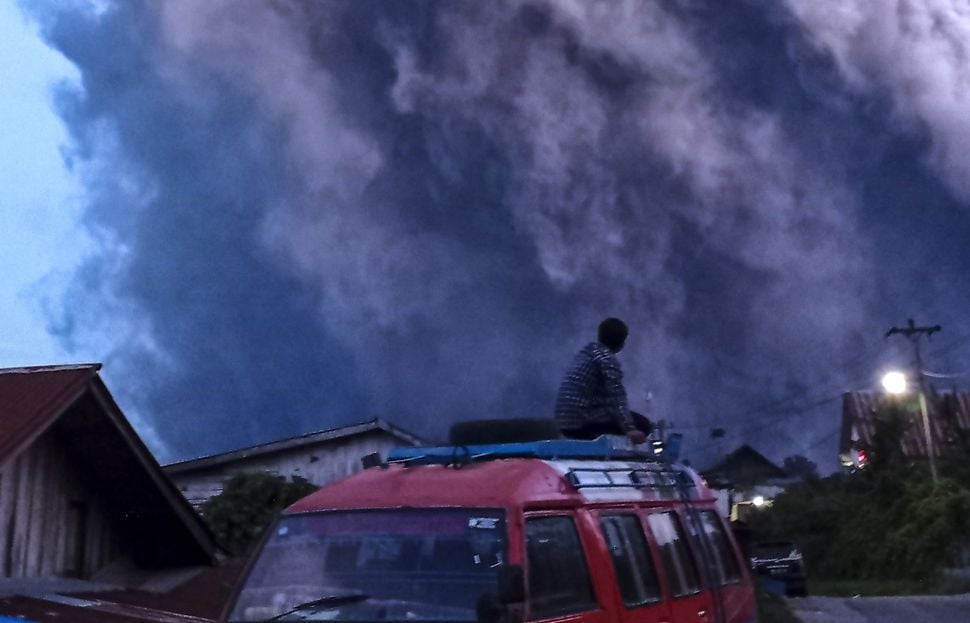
(944,375)
(822,440)
(775,420)
(776,411)
(790,410)
(774,407)
(779,408)
(772,419)
(959,341)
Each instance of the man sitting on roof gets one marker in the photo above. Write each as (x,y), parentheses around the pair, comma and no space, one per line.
(592,399)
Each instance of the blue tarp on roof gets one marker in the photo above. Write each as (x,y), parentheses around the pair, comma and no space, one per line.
(602,448)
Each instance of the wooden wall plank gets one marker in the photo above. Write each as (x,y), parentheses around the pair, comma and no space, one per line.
(38,528)
(4,513)
(21,516)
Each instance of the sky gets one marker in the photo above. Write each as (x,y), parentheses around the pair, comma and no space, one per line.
(39,205)
(300,215)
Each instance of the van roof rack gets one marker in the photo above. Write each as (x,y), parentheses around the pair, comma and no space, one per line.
(553,449)
(669,481)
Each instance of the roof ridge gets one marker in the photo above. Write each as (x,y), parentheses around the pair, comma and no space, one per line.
(51,368)
(376,422)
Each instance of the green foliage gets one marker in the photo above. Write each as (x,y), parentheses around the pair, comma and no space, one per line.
(774,609)
(893,418)
(889,524)
(248,504)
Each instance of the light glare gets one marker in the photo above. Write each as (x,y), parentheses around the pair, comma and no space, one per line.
(894,382)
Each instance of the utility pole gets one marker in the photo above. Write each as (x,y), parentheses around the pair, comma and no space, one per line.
(913,334)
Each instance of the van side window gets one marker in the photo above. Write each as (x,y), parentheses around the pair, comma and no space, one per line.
(631,559)
(723,564)
(558,577)
(675,554)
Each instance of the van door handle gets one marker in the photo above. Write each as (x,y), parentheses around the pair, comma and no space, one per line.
(701,613)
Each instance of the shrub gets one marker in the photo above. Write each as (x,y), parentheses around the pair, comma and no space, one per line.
(881,525)
(248,505)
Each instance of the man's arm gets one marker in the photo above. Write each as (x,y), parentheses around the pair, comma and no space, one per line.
(615,393)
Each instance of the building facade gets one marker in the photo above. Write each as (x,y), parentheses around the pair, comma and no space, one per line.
(320,458)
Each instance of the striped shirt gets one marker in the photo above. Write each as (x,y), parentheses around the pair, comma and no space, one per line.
(592,391)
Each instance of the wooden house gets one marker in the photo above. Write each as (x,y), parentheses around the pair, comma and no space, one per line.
(319,457)
(81,497)
(745,479)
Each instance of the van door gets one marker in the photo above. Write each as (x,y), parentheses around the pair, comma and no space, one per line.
(637,582)
(690,602)
(733,587)
(559,584)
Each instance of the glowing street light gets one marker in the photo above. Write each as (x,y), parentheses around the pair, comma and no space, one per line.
(758,500)
(894,383)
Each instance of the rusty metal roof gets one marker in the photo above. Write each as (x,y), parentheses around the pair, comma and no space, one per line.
(949,419)
(31,399)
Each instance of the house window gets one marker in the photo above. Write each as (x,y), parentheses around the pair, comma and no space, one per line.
(559,582)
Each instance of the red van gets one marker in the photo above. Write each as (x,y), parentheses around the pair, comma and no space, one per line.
(559,531)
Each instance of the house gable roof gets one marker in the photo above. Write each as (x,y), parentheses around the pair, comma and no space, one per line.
(746,466)
(332,434)
(31,399)
(73,402)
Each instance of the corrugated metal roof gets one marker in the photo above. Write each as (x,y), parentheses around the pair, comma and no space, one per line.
(949,419)
(331,434)
(31,399)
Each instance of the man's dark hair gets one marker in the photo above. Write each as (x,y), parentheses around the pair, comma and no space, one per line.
(612,333)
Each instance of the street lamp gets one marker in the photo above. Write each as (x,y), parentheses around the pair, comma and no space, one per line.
(758,501)
(894,382)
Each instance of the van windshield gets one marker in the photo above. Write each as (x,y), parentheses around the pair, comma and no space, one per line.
(400,565)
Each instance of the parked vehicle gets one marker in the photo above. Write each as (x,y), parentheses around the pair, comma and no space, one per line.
(781,561)
(542,531)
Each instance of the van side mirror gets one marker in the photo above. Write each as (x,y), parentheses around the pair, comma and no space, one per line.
(511,584)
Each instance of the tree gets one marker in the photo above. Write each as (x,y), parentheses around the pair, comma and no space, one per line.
(893,418)
(248,505)
(800,467)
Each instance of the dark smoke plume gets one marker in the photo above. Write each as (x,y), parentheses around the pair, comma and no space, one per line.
(314,213)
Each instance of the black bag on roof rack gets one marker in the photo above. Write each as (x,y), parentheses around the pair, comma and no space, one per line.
(507,430)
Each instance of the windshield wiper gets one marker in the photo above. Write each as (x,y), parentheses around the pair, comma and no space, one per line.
(329,600)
